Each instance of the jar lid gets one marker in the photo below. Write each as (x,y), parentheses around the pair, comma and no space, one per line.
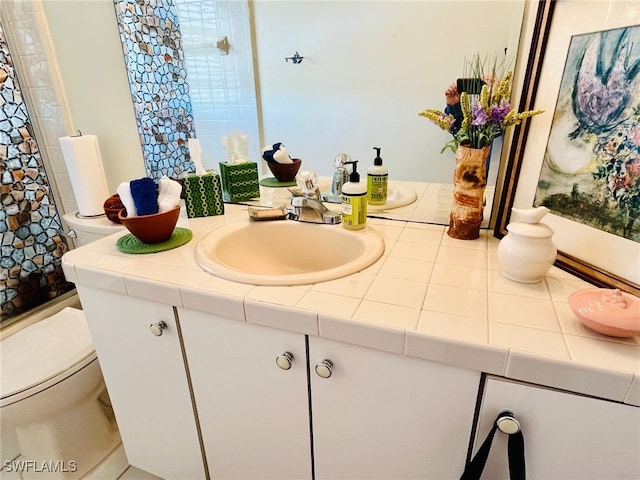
(530,230)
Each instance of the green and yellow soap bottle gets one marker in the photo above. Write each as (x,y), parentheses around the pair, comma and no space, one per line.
(377,179)
(354,201)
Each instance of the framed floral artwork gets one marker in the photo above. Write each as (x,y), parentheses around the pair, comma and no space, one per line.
(582,157)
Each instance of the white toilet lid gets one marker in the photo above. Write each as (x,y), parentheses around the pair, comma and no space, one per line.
(43,350)
(97,225)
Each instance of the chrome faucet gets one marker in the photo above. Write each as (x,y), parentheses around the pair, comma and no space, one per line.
(340,177)
(306,205)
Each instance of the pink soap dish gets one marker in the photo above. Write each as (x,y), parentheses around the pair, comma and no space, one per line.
(607,311)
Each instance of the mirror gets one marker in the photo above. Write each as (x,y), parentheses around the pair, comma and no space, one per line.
(360,83)
(357,85)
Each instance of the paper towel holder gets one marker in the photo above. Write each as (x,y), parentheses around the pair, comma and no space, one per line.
(223,46)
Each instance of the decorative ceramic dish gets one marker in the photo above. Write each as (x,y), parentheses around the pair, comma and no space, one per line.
(112,207)
(154,228)
(607,311)
(285,172)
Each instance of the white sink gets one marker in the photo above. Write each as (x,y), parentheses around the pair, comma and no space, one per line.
(286,252)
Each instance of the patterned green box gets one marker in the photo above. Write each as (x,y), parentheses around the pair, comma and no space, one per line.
(203,195)
(239,182)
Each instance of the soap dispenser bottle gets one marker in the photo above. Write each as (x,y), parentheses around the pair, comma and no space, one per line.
(377,179)
(354,201)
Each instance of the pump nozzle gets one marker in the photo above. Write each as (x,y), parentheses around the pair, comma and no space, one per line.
(378,159)
(354,176)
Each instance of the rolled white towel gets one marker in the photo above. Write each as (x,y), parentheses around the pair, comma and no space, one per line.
(168,194)
(282,155)
(276,153)
(127,200)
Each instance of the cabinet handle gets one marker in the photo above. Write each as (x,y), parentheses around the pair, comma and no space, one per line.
(158,328)
(285,361)
(507,423)
(324,369)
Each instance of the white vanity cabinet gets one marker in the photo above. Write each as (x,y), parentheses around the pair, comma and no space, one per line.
(566,436)
(370,415)
(147,383)
(386,416)
(254,415)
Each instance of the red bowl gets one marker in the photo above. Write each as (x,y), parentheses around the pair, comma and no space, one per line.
(154,228)
(112,207)
(285,172)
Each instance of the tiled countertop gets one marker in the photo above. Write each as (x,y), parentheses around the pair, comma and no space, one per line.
(428,296)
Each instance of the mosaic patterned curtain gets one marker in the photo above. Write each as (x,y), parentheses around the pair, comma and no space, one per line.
(152,48)
(31,235)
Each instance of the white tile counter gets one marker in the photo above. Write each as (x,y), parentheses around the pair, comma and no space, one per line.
(428,296)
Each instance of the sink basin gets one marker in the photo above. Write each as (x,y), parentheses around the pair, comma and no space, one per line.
(286,252)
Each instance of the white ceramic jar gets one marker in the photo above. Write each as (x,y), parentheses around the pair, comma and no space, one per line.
(527,252)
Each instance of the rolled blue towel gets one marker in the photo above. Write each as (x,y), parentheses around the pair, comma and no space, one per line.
(276,153)
(145,195)
(268,151)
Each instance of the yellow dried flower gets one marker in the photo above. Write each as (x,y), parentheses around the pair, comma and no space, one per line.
(508,118)
(439,118)
(518,117)
(465,106)
(503,92)
(484,97)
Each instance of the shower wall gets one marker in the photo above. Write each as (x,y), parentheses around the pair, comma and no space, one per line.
(152,47)
(32,241)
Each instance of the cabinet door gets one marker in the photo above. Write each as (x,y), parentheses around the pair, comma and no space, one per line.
(566,436)
(387,416)
(146,379)
(254,415)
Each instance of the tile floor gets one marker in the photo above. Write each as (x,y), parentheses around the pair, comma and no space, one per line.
(116,467)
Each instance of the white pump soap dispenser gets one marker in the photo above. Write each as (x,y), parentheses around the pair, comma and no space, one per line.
(354,201)
(377,180)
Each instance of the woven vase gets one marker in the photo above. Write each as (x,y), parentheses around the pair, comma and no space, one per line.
(469,182)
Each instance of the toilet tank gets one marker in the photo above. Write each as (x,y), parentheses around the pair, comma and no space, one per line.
(88,230)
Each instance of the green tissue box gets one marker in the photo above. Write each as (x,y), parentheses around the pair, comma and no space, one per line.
(239,182)
(203,195)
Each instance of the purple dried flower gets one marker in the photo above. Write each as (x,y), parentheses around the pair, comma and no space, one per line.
(479,115)
(499,112)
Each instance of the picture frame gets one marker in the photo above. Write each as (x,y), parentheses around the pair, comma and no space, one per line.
(597,257)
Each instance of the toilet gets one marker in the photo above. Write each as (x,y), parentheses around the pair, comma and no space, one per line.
(53,399)
(86,230)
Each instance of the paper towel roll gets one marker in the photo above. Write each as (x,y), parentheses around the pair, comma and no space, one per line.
(88,180)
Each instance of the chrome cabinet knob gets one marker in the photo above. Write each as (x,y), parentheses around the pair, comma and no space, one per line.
(158,328)
(285,361)
(324,369)
(507,423)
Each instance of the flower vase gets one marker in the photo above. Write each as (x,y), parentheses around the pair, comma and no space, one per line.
(469,182)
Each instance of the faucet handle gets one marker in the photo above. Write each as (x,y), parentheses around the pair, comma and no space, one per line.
(307,180)
(341,160)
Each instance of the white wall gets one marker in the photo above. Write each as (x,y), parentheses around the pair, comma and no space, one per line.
(368,69)
(87,47)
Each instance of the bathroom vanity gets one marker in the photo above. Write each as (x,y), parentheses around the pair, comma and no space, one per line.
(396,371)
